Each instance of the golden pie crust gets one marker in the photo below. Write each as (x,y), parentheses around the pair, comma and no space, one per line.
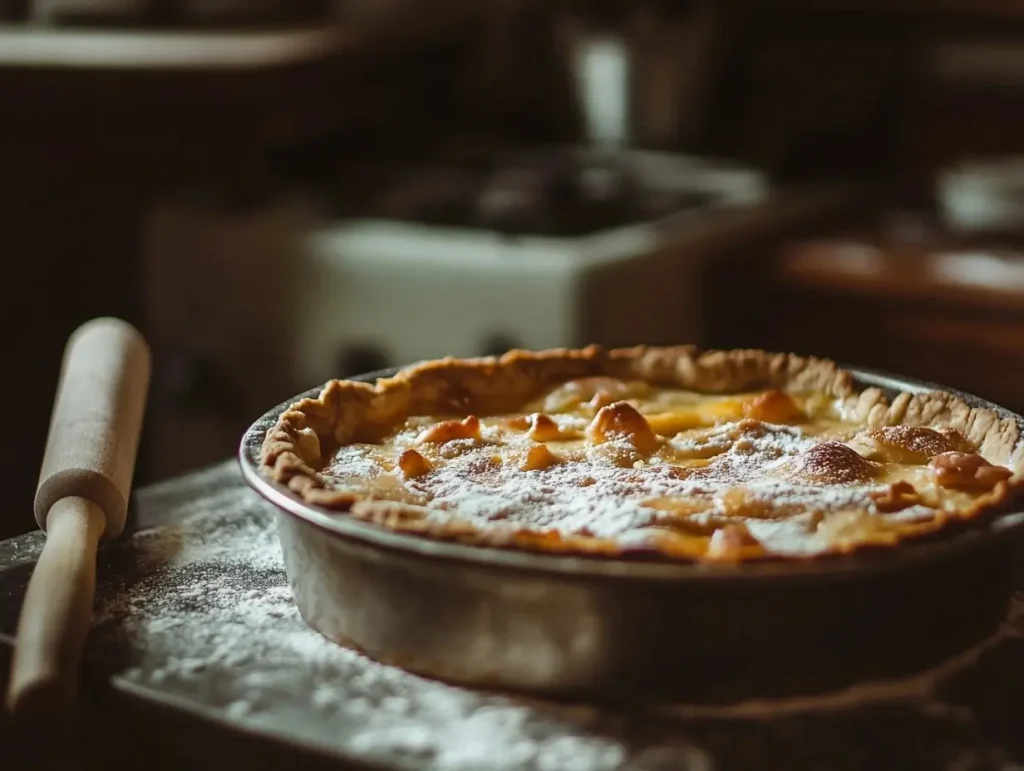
(666,452)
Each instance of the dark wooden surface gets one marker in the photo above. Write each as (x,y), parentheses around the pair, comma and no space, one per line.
(971,720)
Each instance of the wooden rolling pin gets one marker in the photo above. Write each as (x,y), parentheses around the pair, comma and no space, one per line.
(82,497)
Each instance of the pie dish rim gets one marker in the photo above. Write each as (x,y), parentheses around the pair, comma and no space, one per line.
(280,474)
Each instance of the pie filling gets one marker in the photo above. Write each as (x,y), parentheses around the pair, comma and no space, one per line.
(613,466)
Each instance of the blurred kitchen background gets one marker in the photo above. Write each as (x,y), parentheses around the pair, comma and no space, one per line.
(282,191)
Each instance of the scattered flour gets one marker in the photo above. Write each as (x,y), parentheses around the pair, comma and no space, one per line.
(203,612)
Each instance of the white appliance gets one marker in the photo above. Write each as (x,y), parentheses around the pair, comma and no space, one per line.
(383,293)
(218,299)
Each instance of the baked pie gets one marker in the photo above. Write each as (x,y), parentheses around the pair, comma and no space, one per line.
(673,452)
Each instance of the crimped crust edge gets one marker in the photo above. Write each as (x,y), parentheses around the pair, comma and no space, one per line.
(346,409)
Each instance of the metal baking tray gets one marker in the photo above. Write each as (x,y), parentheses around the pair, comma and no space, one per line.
(618,630)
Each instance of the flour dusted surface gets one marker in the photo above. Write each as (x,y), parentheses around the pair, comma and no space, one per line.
(206,614)
(201,611)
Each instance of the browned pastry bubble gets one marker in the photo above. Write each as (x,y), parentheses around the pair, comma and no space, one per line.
(967,471)
(539,457)
(896,497)
(730,542)
(413,464)
(773,406)
(909,444)
(545,429)
(832,463)
(621,419)
(447,430)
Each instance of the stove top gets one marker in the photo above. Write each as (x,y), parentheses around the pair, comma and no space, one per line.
(561,191)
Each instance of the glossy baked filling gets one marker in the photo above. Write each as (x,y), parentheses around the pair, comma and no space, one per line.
(610,465)
(681,472)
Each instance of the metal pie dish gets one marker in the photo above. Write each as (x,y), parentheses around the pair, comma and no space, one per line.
(653,631)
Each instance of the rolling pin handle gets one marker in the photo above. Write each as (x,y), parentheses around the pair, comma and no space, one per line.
(82,497)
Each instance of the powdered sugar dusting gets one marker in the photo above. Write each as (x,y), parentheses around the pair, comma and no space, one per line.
(695,482)
(354,463)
